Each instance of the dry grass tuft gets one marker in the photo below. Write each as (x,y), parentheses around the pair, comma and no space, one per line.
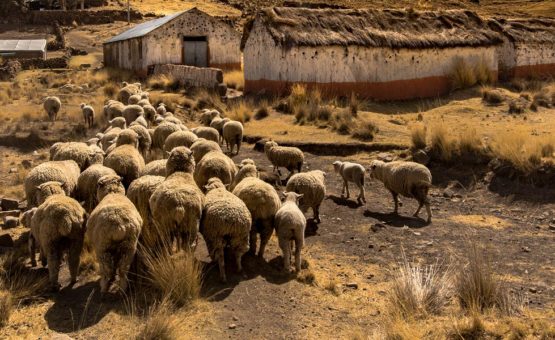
(516,107)
(365,131)
(241,111)
(418,133)
(419,291)
(23,283)
(542,99)
(469,328)
(465,75)
(164,82)
(354,105)
(521,149)
(263,111)
(6,307)
(208,99)
(308,277)
(160,324)
(110,90)
(333,287)
(235,80)
(492,96)
(443,145)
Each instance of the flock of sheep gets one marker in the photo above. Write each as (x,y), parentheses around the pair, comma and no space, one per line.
(102,190)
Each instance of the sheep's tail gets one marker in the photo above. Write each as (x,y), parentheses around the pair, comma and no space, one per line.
(64,227)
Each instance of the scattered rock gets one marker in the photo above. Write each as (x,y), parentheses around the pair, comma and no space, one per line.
(386,157)
(9,204)
(421,156)
(353,285)
(552,227)
(533,290)
(377,226)
(6,240)
(448,193)
(235,318)
(13,170)
(10,222)
(232,326)
(526,249)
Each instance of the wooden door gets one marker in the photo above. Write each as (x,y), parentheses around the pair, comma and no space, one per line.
(195,51)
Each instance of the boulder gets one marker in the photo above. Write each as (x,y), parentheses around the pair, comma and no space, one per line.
(10,222)
(9,204)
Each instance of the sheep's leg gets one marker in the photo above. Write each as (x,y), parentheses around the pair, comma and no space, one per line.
(124,264)
(429,211)
(73,259)
(285,246)
(53,257)
(221,264)
(106,270)
(267,230)
(420,204)
(298,248)
(316,211)
(32,250)
(238,146)
(361,197)
(396,201)
(238,257)
(252,239)
(346,184)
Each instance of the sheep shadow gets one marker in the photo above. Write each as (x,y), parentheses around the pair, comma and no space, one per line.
(78,308)
(396,220)
(311,227)
(349,203)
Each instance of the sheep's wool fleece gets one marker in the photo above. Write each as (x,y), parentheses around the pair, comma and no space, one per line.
(310,184)
(401,177)
(260,197)
(58,216)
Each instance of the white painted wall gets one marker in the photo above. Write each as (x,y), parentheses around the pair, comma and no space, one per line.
(534,54)
(335,64)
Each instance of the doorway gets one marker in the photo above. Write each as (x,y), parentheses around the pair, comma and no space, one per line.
(195,51)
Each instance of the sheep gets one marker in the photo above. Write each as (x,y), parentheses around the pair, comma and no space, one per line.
(88,114)
(111,148)
(158,119)
(110,138)
(139,193)
(202,146)
(113,230)
(145,140)
(87,183)
(177,203)
(128,137)
(117,122)
(214,164)
(134,99)
(150,113)
(132,112)
(351,172)
(290,158)
(161,132)
(140,121)
(126,162)
(312,186)
(144,102)
(207,133)
(81,153)
(410,179)
(179,138)
(52,106)
(207,115)
(233,135)
(226,221)
(263,202)
(58,224)
(290,224)
(65,172)
(26,221)
(218,124)
(247,168)
(175,121)
(127,91)
(113,109)
(95,141)
(161,109)
(155,168)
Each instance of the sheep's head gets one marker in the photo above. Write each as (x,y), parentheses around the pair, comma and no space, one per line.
(214,183)
(320,174)
(246,161)
(96,157)
(269,145)
(180,159)
(118,122)
(292,197)
(145,95)
(48,189)
(27,216)
(374,168)
(82,105)
(337,166)
(128,136)
(109,184)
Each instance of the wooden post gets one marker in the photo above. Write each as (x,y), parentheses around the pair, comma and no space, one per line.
(128,13)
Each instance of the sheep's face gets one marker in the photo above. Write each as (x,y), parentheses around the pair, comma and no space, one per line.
(27,216)
(246,161)
(337,166)
(269,145)
(180,159)
(109,184)
(48,189)
(96,157)
(373,169)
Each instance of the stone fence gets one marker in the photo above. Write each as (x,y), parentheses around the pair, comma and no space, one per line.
(190,76)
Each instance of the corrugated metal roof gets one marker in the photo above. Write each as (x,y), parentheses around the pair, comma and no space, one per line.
(144,28)
(23,45)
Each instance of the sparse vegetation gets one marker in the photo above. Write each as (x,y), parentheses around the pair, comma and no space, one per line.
(263,111)
(235,80)
(6,307)
(160,324)
(464,75)
(164,82)
(241,111)
(418,135)
(492,96)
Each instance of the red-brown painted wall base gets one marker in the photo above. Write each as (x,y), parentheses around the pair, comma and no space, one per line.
(540,70)
(391,90)
(227,67)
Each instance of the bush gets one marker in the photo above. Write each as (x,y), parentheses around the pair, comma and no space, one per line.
(443,146)
(6,307)
(492,96)
(241,112)
(354,104)
(542,99)
(163,82)
(462,75)
(23,283)
(110,90)
(235,80)
(365,131)
(262,112)
(418,136)
(516,107)
(160,324)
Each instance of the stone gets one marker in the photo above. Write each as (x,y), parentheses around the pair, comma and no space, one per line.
(552,227)
(526,249)
(533,290)
(448,193)
(9,204)
(421,156)
(13,170)
(6,240)
(353,285)
(10,222)
(60,336)
(232,326)
(384,156)
(377,226)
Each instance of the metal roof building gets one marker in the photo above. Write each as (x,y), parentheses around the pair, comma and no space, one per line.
(185,38)
(23,49)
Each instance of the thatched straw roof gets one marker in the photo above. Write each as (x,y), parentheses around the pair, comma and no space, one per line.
(539,31)
(290,26)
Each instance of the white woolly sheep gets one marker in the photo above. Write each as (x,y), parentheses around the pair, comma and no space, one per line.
(139,193)
(155,168)
(59,225)
(179,138)
(117,122)
(113,229)
(113,109)
(263,202)
(290,158)
(354,173)
(218,124)
(132,112)
(88,114)
(226,221)
(202,146)
(83,154)
(110,138)
(207,133)
(206,116)
(177,203)
(290,224)
(139,121)
(161,109)
(410,179)
(161,132)
(87,184)
(233,135)
(150,113)
(128,137)
(127,162)
(247,168)
(134,99)
(145,140)
(312,185)
(52,106)
(111,148)
(65,172)
(215,164)
(175,121)
(127,91)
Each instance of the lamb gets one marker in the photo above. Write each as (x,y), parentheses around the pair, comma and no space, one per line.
(139,193)
(351,172)
(117,122)
(202,146)
(312,186)
(81,153)
(88,114)
(155,168)
(214,164)
(127,91)
(65,172)
(145,141)
(177,203)
(52,106)
(113,109)
(58,224)
(290,158)
(161,132)
(207,133)
(207,116)
(110,138)
(134,99)
(150,113)
(247,168)
(226,221)
(233,135)
(128,137)
(87,183)
(132,112)
(127,162)
(263,202)
(218,124)
(410,179)
(113,229)
(290,224)
(179,138)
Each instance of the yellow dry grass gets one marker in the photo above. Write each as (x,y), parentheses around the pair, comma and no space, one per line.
(235,80)
(165,7)
(481,221)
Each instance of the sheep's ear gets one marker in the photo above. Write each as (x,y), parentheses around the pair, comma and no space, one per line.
(167,153)
(299,196)
(205,187)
